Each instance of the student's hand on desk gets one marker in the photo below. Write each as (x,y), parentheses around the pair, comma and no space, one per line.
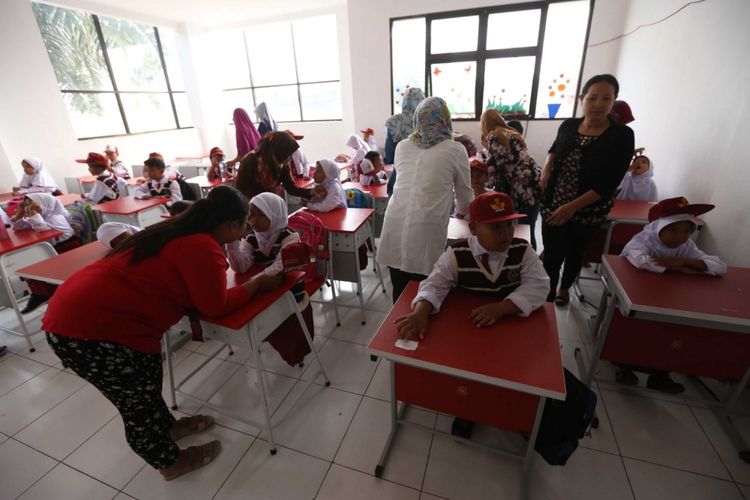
(668,262)
(562,215)
(145,197)
(487,315)
(412,326)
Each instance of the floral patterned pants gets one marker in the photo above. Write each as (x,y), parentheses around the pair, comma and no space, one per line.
(131,381)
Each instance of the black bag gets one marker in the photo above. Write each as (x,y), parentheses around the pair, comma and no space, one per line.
(565,422)
(186,190)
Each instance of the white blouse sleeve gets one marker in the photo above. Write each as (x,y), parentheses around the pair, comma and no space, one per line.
(714,265)
(240,256)
(462,184)
(534,288)
(639,255)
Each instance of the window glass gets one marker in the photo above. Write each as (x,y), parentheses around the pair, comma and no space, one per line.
(408,57)
(506,30)
(282,102)
(455,34)
(133,54)
(507,84)
(321,101)
(316,49)
(455,83)
(271,53)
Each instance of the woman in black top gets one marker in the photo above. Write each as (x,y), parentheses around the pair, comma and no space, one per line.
(585,165)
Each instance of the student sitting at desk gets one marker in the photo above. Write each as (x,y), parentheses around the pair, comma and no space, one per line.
(116,165)
(108,186)
(269,222)
(158,183)
(490,262)
(371,169)
(638,183)
(35,178)
(328,192)
(218,168)
(664,245)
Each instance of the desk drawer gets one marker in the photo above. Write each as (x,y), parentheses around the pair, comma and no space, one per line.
(684,349)
(483,403)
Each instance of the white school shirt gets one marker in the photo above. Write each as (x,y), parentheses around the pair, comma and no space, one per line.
(528,297)
(415,228)
(145,189)
(120,170)
(240,255)
(646,244)
(101,191)
(50,218)
(366,166)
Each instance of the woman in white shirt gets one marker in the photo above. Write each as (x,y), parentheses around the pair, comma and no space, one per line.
(430,166)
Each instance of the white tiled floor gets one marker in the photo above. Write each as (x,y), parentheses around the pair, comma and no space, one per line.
(59,438)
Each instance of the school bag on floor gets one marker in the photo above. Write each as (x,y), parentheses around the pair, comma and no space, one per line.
(565,422)
(312,233)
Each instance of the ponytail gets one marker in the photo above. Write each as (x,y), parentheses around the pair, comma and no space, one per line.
(223,204)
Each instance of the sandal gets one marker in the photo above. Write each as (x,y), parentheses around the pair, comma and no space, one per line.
(191,459)
(187,426)
(562,301)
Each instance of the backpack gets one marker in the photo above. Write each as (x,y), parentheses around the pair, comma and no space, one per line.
(187,192)
(312,233)
(357,199)
(84,220)
(14,205)
(565,422)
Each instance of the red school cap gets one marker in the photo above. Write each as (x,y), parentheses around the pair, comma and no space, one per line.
(95,159)
(477,164)
(155,155)
(493,207)
(216,150)
(368,131)
(295,136)
(677,206)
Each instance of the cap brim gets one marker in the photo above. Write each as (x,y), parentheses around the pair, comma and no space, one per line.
(699,208)
(82,161)
(502,218)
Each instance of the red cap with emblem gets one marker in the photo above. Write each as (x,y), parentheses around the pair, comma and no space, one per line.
(493,207)
(677,206)
(95,159)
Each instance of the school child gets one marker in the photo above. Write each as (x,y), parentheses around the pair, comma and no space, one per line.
(479,176)
(266,122)
(490,262)
(270,233)
(42,212)
(664,245)
(467,143)
(36,179)
(360,148)
(638,183)
(115,163)
(299,164)
(111,234)
(368,136)
(158,183)
(107,187)
(218,168)
(169,171)
(328,193)
(371,169)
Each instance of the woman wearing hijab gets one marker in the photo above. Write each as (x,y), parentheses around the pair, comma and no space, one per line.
(267,123)
(262,248)
(430,166)
(246,135)
(267,169)
(36,179)
(399,127)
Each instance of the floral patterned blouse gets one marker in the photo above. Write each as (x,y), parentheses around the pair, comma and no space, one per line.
(516,173)
(567,187)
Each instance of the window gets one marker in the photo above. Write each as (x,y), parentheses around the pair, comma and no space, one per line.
(524,59)
(116,76)
(298,78)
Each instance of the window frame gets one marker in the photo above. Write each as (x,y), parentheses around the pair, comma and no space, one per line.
(481,55)
(297,84)
(116,92)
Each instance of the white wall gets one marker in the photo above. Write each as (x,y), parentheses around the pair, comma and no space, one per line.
(369,34)
(687,81)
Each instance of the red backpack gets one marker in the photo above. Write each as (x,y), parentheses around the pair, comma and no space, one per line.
(312,233)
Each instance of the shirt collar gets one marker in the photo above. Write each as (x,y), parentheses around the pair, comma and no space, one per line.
(477,249)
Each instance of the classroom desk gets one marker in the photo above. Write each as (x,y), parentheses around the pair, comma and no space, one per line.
(6,197)
(687,323)
(61,267)
(201,185)
(248,326)
(348,229)
(303,183)
(141,213)
(379,193)
(498,376)
(65,199)
(458,229)
(21,249)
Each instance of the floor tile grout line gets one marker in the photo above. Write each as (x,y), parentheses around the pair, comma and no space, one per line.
(117,413)
(713,447)
(244,454)
(46,367)
(672,467)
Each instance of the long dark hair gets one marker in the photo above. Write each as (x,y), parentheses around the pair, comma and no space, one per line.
(274,148)
(223,204)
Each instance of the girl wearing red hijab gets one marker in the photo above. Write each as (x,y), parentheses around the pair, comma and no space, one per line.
(246,135)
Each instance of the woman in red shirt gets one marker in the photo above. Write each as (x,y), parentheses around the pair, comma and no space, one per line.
(105,322)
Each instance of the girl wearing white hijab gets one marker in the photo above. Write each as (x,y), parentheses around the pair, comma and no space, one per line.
(638,183)
(360,148)
(35,178)
(42,212)
(269,222)
(326,176)
(110,234)
(267,123)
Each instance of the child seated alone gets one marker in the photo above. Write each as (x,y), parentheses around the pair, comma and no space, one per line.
(108,186)
(218,169)
(664,245)
(491,262)
(158,183)
(371,169)
(116,165)
(328,193)
(269,222)
(638,183)
(35,179)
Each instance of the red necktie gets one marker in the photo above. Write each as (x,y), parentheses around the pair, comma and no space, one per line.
(486,262)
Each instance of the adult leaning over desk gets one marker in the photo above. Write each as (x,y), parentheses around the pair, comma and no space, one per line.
(105,322)
(267,168)
(585,164)
(430,166)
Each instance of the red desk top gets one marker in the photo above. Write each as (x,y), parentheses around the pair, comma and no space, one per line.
(635,211)
(376,190)
(128,205)
(724,299)
(344,220)
(6,197)
(517,353)
(69,199)
(458,229)
(25,238)
(301,182)
(57,269)
(242,316)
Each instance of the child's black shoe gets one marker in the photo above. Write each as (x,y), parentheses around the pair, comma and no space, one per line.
(626,377)
(34,302)
(663,383)
(462,428)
